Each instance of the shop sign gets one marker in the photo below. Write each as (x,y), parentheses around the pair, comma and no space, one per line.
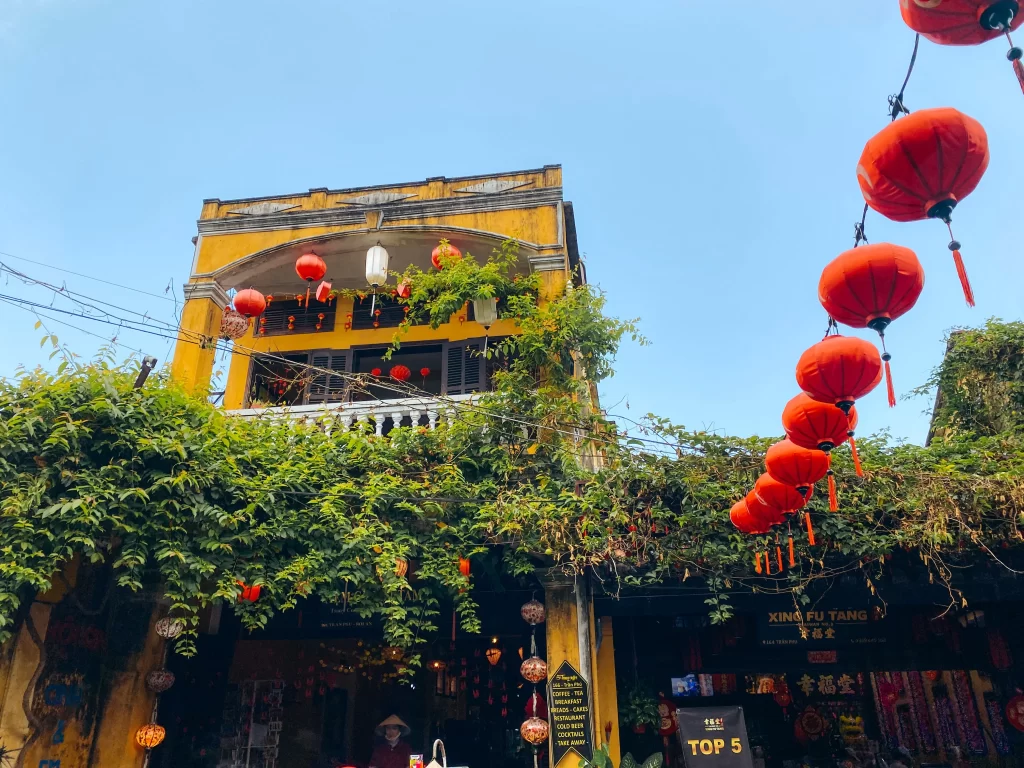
(824,626)
(569,708)
(345,623)
(822,657)
(714,737)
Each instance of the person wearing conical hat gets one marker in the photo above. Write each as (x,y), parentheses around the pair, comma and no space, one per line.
(391,751)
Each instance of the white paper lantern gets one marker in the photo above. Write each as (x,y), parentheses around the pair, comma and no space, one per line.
(377,265)
(485,311)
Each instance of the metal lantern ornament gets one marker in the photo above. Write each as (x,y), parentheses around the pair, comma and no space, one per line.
(533,612)
(534,669)
(967,22)
(921,167)
(159,680)
(150,735)
(376,270)
(169,628)
(233,324)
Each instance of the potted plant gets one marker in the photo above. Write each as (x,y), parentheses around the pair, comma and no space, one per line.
(639,709)
(603,760)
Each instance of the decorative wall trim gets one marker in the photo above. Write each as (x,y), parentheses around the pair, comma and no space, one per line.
(446,206)
(208,289)
(376,198)
(262,209)
(544,263)
(494,186)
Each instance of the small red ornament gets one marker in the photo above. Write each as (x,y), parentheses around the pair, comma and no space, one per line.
(1015,712)
(249,594)
(424,372)
(400,373)
(323,292)
(375,372)
(403,290)
(464,566)
(250,302)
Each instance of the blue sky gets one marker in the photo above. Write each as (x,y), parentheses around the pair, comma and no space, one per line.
(710,157)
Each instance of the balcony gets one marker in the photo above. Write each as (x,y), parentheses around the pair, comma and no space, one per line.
(381,415)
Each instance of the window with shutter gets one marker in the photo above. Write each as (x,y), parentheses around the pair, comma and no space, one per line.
(464,367)
(274,321)
(324,387)
(386,312)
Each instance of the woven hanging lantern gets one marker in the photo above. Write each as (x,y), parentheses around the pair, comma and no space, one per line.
(151,735)
(169,628)
(533,612)
(159,680)
(534,731)
(534,669)
(233,324)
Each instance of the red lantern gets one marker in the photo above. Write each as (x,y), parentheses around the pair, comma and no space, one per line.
(744,522)
(310,267)
(424,372)
(762,512)
(249,594)
(921,166)
(869,287)
(404,290)
(812,424)
(250,302)
(464,566)
(375,372)
(400,373)
(534,731)
(444,250)
(796,466)
(839,370)
(785,498)
(323,292)
(966,22)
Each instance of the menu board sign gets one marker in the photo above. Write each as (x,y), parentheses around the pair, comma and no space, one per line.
(714,737)
(569,707)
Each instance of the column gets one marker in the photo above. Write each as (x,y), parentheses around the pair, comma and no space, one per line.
(197,336)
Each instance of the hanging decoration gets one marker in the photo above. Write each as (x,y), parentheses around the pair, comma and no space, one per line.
(249,594)
(444,251)
(150,735)
(464,566)
(400,373)
(763,512)
(967,22)
(401,567)
(535,731)
(533,612)
(323,292)
(485,311)
(159,680)
(310,268)
(169,628)
(869,287)
(233,324)
(424,372)
(812,424)
(250,302)
(839,370)
(796,466)
(534,669)
(493,655)
(744,521)
(905,172)
(779,496)
(375,371)
(376,270)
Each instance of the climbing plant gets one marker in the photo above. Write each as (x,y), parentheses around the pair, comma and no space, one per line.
(175,495)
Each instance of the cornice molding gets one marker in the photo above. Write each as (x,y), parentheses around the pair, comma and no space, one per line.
(208,289)
(400,209)
(548,263)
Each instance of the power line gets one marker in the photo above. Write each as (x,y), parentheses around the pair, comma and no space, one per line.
(88,277)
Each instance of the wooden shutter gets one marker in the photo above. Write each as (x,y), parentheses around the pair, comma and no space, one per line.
(274,321)
(463,367)
(323,387)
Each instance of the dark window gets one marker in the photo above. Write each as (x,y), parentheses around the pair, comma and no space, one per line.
(424,362)
(385,311)
(277,381)
(324,387)
(275,320)
(464,367)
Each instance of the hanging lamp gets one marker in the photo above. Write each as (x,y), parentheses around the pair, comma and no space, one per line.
(921,166)
(869,287)
(250,302)
(796,466)
(444,251)
(967,22)
(743,521)
(812,424)
(310,267)
(776,495)
(376,270)
(839,370)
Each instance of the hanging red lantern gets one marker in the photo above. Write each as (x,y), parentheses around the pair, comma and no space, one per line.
(921,166)
(444,250)
(400,373)
(839,370)
(323,292)
(534,731)
(250,302)
(780,496)
(424,372)
(249,594)
(812,424)
(966,22)
(310,267)
(763,512)
(404,289)
(464,566)
(401,567)
(796,466)
(375,372)
(744,522)
(869,287)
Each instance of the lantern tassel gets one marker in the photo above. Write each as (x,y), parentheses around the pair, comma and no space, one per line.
(778,554)
(767,564)
(833,497)
(757,562)
(890,390)
(810,529)
(1014,55)
(792,554)
(1018,70)
(856,456)
(961,271)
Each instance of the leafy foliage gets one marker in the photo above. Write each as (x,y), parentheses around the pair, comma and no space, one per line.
(174,494)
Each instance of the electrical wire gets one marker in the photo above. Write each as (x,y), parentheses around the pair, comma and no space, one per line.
(89,277)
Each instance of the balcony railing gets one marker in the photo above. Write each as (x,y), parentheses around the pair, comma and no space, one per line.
(382,415)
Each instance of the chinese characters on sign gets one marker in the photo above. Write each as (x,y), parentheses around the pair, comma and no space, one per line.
(820,627)
(569,705)
(714,737)
(829,685)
